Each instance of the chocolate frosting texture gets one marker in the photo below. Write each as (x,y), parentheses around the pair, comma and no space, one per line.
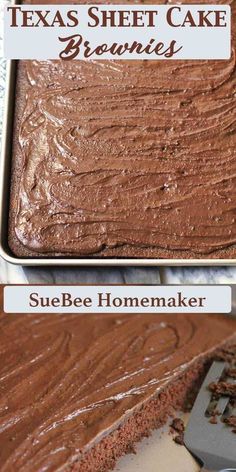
(67,380)
(124,156)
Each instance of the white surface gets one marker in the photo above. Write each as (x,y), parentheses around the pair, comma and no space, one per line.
(10,274)
(158,453)
(199,275)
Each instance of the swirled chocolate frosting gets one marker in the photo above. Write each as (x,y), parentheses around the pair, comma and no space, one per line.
(68,380)
(128,158)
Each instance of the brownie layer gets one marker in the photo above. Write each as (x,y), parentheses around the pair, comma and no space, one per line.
(154,414)
(68,382)
(125,159)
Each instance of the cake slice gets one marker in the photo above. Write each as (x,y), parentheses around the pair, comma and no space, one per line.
(78,391)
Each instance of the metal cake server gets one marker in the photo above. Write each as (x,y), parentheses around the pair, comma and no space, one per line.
(214,445)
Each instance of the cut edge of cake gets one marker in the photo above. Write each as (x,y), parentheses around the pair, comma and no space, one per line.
(152,414)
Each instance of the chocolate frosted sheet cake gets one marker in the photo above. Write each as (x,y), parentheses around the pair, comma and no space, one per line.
(78,391)
(125,159)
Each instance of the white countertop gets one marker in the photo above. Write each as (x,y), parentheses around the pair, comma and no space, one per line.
(158,453)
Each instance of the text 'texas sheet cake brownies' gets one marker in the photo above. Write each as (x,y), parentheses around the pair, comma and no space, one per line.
(125,159)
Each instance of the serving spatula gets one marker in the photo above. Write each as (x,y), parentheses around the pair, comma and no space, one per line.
(214,445)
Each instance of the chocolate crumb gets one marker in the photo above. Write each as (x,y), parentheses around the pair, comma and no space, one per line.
(178,425)
(223,388)
(232,373)
(213,420)
(227,354)
(230,421)
(226,388)
(179,439)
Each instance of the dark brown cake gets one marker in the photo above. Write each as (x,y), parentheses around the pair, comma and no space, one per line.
(78,391)
(125,159)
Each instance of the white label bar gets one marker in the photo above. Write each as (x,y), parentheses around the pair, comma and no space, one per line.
(117,299)
(94,32)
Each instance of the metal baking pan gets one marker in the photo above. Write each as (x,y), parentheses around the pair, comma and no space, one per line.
(5,172)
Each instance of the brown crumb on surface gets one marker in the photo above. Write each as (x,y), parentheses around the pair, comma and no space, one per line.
(232,373)
(231,421)
(223,388)
(179,439)
(214,412)
(177,426)
(227,354)
(213,419)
